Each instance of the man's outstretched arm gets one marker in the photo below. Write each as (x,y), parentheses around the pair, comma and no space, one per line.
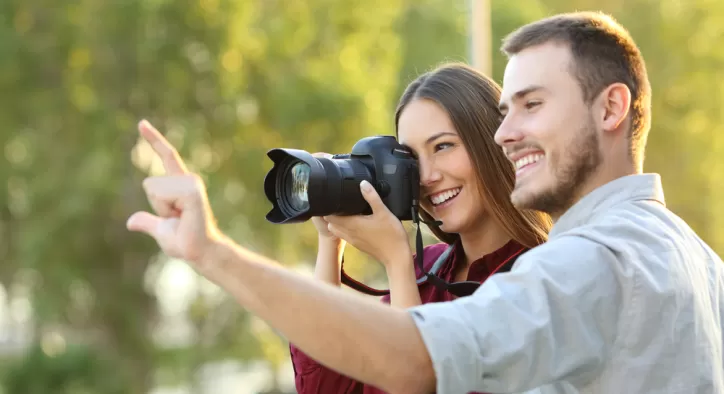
(355,336)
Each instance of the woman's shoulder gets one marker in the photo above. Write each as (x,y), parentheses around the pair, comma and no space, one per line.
(431,254)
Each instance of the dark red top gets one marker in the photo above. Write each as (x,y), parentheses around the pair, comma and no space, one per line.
(312,377)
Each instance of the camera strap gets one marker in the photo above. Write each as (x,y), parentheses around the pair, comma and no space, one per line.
(362,288)
(419,247)
(430,276)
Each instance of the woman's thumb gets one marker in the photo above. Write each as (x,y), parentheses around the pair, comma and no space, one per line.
(370,195)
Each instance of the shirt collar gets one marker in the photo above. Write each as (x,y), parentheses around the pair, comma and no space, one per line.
(485,263)
(635,187)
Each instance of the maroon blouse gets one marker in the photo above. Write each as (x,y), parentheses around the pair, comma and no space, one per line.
(312,377)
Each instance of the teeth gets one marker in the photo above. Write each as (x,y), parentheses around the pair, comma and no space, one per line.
(524,161)
(444,196)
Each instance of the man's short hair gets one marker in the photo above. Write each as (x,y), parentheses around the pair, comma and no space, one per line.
(603,53)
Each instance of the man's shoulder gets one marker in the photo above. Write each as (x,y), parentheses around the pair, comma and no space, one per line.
(640,227)
(567,251)
(634,236)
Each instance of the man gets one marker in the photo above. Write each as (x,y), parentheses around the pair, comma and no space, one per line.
(624,298)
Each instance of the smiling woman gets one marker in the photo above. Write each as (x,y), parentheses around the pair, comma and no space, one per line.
(447,119)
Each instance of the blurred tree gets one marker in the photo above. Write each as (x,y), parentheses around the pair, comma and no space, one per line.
(65,176)
(226,81)
(76,370)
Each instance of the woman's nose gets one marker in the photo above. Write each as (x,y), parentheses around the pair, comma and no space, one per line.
(428,174)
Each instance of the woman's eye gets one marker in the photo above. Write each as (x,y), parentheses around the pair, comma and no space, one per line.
(442,146)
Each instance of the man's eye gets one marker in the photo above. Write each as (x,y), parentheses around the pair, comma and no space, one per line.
(532,104)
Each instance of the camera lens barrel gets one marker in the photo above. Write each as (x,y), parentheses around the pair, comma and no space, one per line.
(301,186)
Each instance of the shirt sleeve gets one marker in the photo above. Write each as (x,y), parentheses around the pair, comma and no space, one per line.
(553,317)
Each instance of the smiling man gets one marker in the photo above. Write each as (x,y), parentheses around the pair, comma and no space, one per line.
(624,298)
(576,107)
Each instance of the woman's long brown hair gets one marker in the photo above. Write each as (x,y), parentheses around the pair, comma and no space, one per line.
(471,100)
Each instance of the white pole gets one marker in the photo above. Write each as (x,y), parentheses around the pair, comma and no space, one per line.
(480,36)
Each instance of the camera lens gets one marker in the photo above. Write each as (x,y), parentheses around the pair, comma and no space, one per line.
(296,186)
(300,185)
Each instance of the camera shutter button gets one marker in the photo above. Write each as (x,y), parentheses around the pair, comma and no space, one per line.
(383,188)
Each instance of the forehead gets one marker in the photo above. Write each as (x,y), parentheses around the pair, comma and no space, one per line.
(547,66)
(421,119)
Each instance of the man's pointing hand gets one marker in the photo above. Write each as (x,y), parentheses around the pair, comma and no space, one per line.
(183,224)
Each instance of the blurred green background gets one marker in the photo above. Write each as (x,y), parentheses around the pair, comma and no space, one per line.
(87,307)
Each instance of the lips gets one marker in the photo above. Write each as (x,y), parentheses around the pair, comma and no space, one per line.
(441,197)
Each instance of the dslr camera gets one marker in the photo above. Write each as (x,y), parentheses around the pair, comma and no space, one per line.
(301,186)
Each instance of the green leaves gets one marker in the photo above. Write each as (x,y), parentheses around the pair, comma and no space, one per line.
(227,81)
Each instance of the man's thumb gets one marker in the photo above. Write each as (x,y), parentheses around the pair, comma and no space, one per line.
(143,222)
(370,195)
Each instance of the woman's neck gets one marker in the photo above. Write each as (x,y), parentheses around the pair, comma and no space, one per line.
(483,240)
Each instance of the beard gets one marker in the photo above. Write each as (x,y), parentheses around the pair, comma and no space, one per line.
(580,158)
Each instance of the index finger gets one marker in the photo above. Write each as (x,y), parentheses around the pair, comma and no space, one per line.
(171,160)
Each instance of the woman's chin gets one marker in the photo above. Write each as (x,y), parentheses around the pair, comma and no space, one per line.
(449,224)
(448,227)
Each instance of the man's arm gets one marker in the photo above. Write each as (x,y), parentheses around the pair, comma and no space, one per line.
(554,317)
(355,336)
(360,338)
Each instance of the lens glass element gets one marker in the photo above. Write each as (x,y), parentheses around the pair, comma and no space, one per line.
(295,188)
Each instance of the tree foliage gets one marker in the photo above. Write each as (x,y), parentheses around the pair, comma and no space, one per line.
(227,81)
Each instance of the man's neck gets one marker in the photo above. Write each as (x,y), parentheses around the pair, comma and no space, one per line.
(606,173)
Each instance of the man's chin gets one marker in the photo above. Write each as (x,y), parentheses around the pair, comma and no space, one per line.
(547,201)
(522,197)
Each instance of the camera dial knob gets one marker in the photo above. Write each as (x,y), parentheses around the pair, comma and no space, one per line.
(383,188)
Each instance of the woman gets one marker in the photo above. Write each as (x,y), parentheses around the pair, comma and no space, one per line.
(447,118)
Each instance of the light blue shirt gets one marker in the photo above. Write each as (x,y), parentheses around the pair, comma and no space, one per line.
(623,298)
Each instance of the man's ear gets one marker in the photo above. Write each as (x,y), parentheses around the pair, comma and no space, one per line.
(616,100)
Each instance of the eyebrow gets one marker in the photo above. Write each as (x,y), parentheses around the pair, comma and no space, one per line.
(438,135)
(520,94)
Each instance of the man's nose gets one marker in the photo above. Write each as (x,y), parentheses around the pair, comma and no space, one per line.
(507,133)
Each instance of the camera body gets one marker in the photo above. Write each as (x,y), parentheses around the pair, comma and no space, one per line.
(395,173)
(332,186)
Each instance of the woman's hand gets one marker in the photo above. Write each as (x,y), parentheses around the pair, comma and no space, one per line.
(325,236)
(330,248)
(380,235)
(322,226)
